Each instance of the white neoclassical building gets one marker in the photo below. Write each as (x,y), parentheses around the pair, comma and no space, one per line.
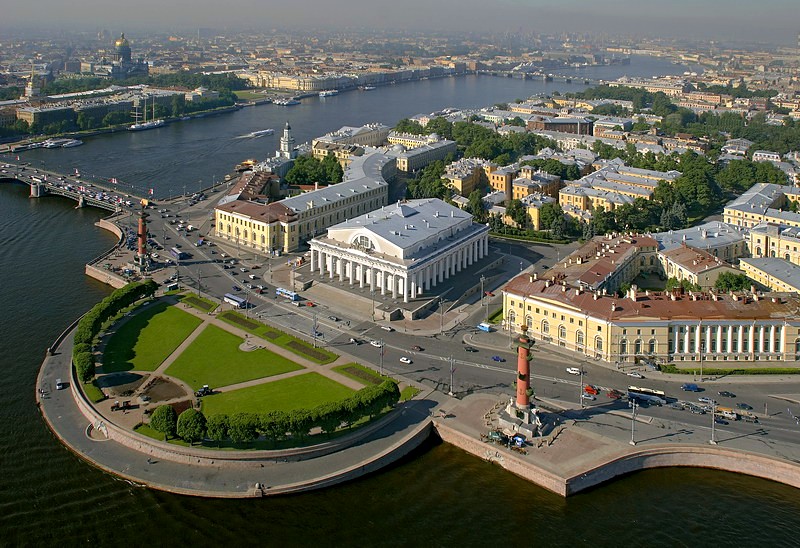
(403,249)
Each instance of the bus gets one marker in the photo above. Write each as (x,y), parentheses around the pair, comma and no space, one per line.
(177,253)
(483,326)
(647,394)
(286,294)
(235,300)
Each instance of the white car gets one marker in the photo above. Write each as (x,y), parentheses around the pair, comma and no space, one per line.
(573,371)
(589,397)
(635,375)
(387,328)
(405,360)
(376,344)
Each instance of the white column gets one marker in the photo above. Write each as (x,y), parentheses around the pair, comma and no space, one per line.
(686,339)
(322,258)
(413,285)
(760,338)
(382,276)
(404,280)
(360,269)
(440,265)
(677,335)
(708,338)
(313,254)
(729,348)
(741,338)
(782,349)
(331,265)
(751,335)
(352,271)
(772,339)
(719,339)
(426,279)
(341,268)
(394,285)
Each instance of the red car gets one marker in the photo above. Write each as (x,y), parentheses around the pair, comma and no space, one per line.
(614,394)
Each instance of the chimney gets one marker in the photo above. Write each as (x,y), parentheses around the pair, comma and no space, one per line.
(756,297)
(595,296)
(613,307)
(531,278)
(535,276)
(735,297)
(563,288)
(775,299)
(704,234)
(752,288)
(577,291)
(672,297)
(316,185)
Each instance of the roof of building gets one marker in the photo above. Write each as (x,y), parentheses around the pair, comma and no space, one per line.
(658,305)
(265,213)
(774,267)
(758,198)
(694,260)
(706,236)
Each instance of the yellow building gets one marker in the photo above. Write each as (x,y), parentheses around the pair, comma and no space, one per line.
(774,274)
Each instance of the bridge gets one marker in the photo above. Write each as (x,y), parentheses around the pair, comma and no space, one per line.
(86,191)
(544,77)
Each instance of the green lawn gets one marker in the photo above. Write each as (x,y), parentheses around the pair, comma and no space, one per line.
(200,303)
(279,338)
(214,359)
(360,373)
(300,392)
(148,338)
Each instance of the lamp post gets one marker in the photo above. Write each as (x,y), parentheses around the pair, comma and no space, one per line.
(441,315)
(199,280)
(633,405)
(483,296)
(314,328)
(381,358)
(580,389)
(452,370)
(702,351)
(713,440)
(372,297)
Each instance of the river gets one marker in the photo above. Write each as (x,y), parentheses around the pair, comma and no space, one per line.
(437,497)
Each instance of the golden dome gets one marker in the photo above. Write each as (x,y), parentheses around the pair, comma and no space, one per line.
(121,41)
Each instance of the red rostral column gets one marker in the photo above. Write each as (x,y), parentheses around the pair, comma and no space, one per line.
(523,372)
(142,234)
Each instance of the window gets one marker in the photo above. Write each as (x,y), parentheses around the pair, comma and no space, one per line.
(545,327)
(562,332)
(637,347)
(579,339)
(598,344)
(623,347)
(651,347)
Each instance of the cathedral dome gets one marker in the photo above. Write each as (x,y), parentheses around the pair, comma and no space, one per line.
(121,42)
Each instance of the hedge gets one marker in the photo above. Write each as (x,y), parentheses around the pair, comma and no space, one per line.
(669,368)
(246,427)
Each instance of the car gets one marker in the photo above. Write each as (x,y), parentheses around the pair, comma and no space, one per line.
(614,394)
(333,318)
(635,375)
(470,349)
(696,410)
(376,344)
(318,334)
(590,397)
(417,348)
(675,405)
(704,399)
(355,341)
(498,359)
(236,288)
(243,269)
(573,371)
(690,387)
(726,394)
(252,276)
(309,303)
(720,420)
(387,328)
(405,360)
(249,286)
(744,406)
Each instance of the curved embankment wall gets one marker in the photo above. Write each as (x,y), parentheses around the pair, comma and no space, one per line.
(100,274)
(664,456)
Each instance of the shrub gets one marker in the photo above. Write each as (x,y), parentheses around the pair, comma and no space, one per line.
(191,425)
(84,366)
(242,427)
(217,427)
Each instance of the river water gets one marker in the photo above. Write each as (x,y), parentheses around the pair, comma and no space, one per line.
(437,497)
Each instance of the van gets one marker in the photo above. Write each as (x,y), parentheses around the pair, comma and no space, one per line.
(60,384)
(690,387)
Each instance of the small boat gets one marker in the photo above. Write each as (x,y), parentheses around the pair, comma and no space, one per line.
(55,143)
(286,102)
(368,88)
(261,132)
(72,143)
(328,92)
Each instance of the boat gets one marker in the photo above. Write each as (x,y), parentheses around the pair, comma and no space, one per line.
(328,92)
(72,143)
(152,124)
(286,102)
(55,143)
(368,88)
(261,132)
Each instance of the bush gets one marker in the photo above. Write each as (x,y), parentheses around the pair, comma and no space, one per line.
(242,427)
(217,427)
(84,366)
(714,371)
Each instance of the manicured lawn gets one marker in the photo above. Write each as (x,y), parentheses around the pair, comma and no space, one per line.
(279,338)
(200,303)
(408,392)
(214,359)
(300,392)
(148,338)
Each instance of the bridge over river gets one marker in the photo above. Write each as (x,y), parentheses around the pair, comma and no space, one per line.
(86,191)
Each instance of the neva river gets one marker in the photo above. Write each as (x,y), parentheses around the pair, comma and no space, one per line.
(438,497)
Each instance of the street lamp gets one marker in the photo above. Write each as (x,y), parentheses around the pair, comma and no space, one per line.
(314,328)
(633,405)
(452,370)
(580,389)
(483,296)
(702,351)
(381,359)
(713,440)
(199,280)
(372,297)
(441,315)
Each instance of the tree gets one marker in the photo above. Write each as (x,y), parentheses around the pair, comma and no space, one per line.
(409,126)
(191,425)
(728,281)
(217,427)
(518,213)
(164,420)
(242,427)
(476,206)
(684,285)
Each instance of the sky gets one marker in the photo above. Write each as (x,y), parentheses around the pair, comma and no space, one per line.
(773,21)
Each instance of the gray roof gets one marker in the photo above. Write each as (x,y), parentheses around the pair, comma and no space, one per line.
(706,236)
(779,269)
(758,197)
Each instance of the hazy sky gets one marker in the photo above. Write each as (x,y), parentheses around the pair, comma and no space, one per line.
(769,20)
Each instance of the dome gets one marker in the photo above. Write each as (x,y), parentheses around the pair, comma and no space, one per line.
(398,147)
(121,41)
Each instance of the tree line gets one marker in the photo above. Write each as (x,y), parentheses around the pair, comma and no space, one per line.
(241,428)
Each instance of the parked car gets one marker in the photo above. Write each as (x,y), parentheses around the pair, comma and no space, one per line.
(590,397)
(417,348)
(720,420)
(690,387)
(333,318)
(744,406)
(236,288)
(387,328)
(498,359)
(614,394)
(704,399)
(405,360)
(470,349)
(726,394)
(635,375)
(376,344)
(573,371)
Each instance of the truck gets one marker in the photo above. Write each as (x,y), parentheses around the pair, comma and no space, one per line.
(728,413)
(483,326)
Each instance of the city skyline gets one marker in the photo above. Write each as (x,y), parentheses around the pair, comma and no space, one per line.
(714,19)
